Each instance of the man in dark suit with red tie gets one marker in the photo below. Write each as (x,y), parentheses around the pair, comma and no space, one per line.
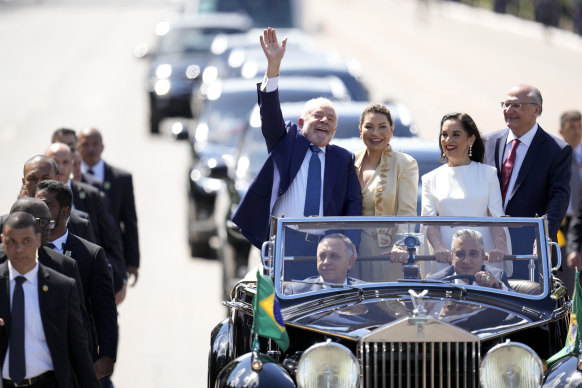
(42,339)
(534,167)
(289,183)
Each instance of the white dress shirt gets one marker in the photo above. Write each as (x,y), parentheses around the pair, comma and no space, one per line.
(60,242)
(520,152)
(36,351)
(98,170)
(292,203)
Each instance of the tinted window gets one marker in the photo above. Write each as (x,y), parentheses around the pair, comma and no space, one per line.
(275,13)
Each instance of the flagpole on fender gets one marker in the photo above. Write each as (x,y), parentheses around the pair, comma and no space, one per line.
(256,364)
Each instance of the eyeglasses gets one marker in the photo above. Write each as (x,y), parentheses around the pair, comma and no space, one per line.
(44,222)
(515,105)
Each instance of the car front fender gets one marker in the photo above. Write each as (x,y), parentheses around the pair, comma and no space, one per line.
(239,373)
(564,374)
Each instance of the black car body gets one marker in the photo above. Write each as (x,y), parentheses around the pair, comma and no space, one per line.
(223,117)
(409,331)
(234,249)
(180,58)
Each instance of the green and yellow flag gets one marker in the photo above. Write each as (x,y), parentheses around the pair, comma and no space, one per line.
(573,339)
(268,321)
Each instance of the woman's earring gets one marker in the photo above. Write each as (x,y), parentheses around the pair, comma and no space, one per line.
(471,150)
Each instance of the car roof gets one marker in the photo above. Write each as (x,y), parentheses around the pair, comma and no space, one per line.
(249,40)
(307,83)
(225,20)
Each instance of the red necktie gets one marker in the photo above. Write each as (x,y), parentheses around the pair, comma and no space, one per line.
(508,168)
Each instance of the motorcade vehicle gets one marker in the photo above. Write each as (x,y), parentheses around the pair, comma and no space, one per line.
(234,251)
(264,13)
(317,65)
(229,52)
(180,56)
(215,135)
(492,325)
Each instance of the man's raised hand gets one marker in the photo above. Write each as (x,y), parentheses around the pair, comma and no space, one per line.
(273,51)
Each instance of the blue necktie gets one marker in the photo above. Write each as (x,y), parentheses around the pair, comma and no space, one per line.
(17,362)
(313,191)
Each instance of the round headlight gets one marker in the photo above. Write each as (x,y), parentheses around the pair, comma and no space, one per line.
(511,364)
(327,364)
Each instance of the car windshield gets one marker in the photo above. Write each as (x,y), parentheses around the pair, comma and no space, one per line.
(193,40)
(500,255)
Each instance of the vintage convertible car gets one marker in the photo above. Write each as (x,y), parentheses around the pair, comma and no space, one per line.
(417,323)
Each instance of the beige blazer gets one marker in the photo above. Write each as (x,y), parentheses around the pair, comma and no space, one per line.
(392,191)
(394,186)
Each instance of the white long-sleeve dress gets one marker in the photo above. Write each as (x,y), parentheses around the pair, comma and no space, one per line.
(471,190)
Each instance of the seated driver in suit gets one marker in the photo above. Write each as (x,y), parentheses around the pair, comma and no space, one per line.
(468,257)
(336,254)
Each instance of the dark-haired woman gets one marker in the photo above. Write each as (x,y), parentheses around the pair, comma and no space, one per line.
(389,181)
(463,186)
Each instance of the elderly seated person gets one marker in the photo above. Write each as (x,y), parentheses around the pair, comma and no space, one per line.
(336,254)
(468,257)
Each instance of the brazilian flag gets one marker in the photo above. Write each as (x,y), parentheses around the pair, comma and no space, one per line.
(573,339)
(268,321)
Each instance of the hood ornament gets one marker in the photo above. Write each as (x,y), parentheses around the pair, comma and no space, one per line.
(419,316)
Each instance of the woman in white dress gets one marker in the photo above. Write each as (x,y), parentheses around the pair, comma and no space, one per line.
(464,187)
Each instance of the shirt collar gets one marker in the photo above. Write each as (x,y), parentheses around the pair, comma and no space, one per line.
(60,242)
(98,168)
(526,138)
(31,276)
(345,283)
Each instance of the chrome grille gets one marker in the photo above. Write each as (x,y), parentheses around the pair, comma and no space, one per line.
(420,364)
(429,353)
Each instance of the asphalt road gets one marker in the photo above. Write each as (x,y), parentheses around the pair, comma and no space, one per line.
(69,63)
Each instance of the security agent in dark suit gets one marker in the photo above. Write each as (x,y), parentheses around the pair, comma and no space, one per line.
(336,255)
(95,273)
(92,201)
(281,187)
(468,258)
(40,167)
(118,187)
(42,339)
(537,165)
(571,132)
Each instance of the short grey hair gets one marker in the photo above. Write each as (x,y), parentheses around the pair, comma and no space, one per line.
(535,94)
(350,247)
(468,234)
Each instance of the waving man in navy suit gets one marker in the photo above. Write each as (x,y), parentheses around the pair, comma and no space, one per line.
(303,175)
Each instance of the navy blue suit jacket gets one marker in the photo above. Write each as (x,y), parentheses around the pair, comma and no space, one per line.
(287,146)
(543,181)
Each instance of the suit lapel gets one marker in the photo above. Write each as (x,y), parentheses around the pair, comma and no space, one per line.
(43,288)
(329,176)
(500,145)
(5,295)
(535,148)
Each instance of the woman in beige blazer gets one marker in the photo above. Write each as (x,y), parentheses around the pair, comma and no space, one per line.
(389,181)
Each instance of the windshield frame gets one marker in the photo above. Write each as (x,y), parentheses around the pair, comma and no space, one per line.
(276,247)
